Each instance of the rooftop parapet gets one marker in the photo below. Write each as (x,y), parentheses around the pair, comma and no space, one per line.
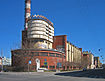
(42,18)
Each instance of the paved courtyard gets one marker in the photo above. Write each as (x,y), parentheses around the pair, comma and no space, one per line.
(47,76)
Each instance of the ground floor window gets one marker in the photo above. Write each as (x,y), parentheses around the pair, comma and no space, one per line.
(52,66)
(44,66)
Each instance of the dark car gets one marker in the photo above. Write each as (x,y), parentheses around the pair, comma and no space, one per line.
(84,69)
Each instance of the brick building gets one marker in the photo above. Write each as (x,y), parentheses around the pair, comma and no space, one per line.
(85,61)
(74,54)
(97,62)
(60,43)
(89,60)
(37,43)
(50,59)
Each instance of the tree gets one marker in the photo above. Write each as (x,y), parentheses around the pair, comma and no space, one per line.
(22,56)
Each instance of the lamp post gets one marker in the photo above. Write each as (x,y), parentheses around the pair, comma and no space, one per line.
(29,62)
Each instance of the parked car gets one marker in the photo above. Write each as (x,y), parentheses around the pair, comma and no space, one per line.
(84,69)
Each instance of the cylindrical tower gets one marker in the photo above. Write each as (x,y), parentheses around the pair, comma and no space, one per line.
(27,12)
(41,30)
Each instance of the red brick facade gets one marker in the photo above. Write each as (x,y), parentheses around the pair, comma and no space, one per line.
(60,43)
(20,58)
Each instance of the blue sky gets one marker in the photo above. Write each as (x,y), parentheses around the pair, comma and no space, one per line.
(83,21)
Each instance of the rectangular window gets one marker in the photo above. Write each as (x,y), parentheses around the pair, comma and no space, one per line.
(44,66)
(35,53)
(52,54)
(52,66)
(43,54)
(57,55)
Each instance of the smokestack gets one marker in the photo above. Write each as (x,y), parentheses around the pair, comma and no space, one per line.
(27,12)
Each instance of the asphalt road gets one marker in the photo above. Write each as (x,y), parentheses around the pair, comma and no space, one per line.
(43,77)
(94,73)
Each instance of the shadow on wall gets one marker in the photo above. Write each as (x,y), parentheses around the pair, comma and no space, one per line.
(98,73)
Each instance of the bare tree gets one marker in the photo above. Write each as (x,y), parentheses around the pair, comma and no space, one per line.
(86,62)
(22,56)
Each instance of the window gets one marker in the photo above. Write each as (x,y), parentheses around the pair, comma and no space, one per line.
(46,29)
(36,53)
(59,65)
(43,54)
(57,55)
(52,66)
(45,59)
(52,54)
(32,52)
(67,67)
(41,40)
(44,66)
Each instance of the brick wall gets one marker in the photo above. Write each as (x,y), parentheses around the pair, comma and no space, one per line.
(60,43)
(20,58)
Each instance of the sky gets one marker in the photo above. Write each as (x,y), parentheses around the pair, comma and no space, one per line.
(83,21)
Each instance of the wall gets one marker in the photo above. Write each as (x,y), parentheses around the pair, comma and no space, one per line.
(60,43)
(85,61)
(74,54)
(40,29)
(90,59)
(53,58)
(97,62)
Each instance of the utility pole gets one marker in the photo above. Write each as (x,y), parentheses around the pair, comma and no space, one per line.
(2,59)
(28,66)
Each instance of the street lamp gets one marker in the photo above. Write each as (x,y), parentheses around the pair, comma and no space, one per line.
(29,62)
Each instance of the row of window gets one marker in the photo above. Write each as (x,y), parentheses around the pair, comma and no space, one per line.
(36,35)
(41,24)
(44,54)
(40,27)
(41,30)
(53,67)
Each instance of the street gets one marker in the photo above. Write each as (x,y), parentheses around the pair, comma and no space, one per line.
(47,76)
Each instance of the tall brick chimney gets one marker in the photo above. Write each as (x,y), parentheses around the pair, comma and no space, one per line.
(27,12)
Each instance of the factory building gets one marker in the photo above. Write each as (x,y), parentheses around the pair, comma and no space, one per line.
(85,61)
(60,43)
(89,59)
(74,54)
(41,31)
(97,62)
(50,59)
(37,43)
(41,49)
(38,30)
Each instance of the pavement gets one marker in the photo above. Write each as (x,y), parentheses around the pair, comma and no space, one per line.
(95,73)
(48,76)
